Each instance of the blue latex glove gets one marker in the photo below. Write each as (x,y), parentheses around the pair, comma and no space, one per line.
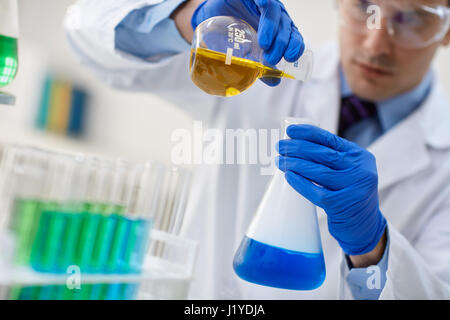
(277,34)
(341,178)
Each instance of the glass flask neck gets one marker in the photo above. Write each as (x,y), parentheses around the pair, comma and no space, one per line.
(9,18)
(292,121)
(301,69)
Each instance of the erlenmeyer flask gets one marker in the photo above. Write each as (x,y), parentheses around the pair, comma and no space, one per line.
(9,32)
(282,247)
(226,58)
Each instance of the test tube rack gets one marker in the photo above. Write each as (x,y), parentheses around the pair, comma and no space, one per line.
(76,227)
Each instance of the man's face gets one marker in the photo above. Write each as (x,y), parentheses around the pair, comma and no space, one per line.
(375,65)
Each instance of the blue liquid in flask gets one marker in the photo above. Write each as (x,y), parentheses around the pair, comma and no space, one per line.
(267,265)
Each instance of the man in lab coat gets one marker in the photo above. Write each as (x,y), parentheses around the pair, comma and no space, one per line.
(143,46)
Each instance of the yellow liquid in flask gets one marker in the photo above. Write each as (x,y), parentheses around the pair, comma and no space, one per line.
(210,72)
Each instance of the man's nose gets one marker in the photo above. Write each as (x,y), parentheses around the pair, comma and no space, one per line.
(377,40)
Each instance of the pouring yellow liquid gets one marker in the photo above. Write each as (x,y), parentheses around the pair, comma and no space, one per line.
(215,74)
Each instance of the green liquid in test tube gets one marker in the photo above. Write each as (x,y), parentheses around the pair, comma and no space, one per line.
(27,293)
(120,291)
(129,291)
(71,294)
(106,237)
(14,292)
(90,221)
(83,294)
(71,235)
(48,238)
(135,251)
(55,232)
(47,292)
(115,264)
(26,215)
(112,263)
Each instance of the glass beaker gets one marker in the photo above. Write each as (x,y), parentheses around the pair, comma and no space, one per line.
(226,58)
(9,32)
(282,247)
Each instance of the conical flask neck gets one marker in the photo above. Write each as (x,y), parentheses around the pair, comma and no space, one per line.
(294,121)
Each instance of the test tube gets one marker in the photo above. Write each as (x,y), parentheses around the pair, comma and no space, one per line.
(89,215)
(142,195)
(122,238)
(53,223)
(21,185)
(115,263)
(6,183)
(108,225)
(170,211)
(182,179)
(49,239)
(24,171)
(113,211)
(91,212)
(148,200)
(73,212)
(73,227)
(32,184)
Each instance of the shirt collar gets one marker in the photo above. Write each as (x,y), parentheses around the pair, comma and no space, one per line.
(393,110)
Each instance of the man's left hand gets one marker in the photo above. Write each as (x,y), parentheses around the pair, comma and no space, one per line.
(340,177)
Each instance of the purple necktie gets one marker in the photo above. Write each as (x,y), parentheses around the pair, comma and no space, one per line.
(353,110)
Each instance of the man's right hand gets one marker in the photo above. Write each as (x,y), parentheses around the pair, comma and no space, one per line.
(277,34)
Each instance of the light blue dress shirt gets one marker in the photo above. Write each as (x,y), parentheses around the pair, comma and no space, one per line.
(150,34)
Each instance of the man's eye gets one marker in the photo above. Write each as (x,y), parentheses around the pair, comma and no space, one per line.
(363,5)
(407,18)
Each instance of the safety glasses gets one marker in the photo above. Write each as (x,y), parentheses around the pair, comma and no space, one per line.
(410,25)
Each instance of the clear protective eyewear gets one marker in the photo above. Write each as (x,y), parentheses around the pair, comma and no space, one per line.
(411,25)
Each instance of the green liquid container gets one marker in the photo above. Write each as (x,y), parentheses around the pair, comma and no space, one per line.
(9,32)
(8,60)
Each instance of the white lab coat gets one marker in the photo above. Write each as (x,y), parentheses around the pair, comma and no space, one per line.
(413,162)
